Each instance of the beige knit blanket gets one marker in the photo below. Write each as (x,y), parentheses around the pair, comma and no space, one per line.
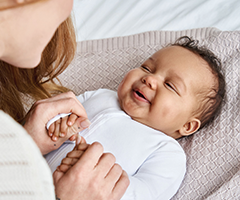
(213,154)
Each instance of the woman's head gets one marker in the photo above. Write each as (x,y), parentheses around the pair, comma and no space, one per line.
(43,41)
(7,4)
(26,28)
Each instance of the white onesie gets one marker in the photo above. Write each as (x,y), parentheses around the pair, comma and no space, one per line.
(155,162)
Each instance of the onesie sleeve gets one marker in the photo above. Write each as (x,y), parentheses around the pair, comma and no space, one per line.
(160,176)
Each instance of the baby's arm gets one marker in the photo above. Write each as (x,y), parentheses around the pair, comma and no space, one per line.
(64,126)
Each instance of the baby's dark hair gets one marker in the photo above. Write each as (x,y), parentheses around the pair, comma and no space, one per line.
(211,104)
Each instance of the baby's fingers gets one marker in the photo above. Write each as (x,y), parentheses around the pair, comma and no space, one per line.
(51,129)
(63,127)
(63,168)
(56,131)
(71,119)
(73,137)
(69,161)
(79,125)
(82,146)
(74,154)
(79,140)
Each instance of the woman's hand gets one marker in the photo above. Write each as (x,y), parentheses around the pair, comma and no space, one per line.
(90,174)
(95,175)
(44,110)
(67,125)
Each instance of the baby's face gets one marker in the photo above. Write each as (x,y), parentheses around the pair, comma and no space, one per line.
(163,93)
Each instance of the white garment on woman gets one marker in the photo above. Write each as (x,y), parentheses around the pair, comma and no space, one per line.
(24,173)
(155,162)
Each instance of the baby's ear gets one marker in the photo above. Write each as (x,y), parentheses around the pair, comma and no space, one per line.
(190,127)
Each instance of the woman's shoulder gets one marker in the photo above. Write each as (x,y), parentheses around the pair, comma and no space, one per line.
(21,159)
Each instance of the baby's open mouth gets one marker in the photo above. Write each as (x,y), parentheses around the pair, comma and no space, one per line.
(141,96)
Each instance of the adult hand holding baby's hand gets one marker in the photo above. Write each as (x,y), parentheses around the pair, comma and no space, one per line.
(66,125)
(73,156)
(44,110)
(93,174)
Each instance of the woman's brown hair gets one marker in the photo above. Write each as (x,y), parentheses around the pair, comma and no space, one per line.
(38,82)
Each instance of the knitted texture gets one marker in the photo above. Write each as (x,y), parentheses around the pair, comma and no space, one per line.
(213,154)
(24,173)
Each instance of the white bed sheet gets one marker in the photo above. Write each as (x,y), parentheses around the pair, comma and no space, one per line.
(96,19)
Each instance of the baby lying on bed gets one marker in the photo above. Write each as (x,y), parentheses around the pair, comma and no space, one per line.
(174,93)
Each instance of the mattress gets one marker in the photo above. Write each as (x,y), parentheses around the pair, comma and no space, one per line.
(213,153)
(117,35)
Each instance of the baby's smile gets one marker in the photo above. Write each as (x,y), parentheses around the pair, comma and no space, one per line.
(139,95)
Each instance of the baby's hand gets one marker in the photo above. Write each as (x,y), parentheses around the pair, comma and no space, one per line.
(67,126)
(73,156)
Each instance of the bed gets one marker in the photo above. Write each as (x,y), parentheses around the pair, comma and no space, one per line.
(97,19)
(117,35)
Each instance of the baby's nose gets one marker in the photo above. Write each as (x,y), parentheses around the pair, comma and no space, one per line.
(150,81)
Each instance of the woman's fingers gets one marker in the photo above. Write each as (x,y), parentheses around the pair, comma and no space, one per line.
(51,129)
(96,173)
(121,186)
(62,103)
(44,110)
(91,157)
(105,163)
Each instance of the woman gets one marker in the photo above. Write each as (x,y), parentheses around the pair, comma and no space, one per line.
(29,64)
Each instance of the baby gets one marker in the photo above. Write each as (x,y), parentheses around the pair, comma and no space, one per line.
(174,93)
